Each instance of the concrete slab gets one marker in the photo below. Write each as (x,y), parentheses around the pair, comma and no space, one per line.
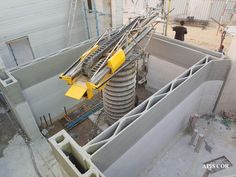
(34,160)
(181,160)
(155,141)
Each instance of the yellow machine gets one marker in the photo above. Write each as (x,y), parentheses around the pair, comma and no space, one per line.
(109,54)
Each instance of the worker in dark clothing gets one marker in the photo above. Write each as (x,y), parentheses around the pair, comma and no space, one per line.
(180,31)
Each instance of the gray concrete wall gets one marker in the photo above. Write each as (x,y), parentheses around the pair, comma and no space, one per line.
(161,72)
(44,22)
(131,144)
(179,55)
(174,51)
(191,47)
(227,101)
(62,142)
(44,92)
(48,96)
(124,140)
(34,90)
(100,18)
(40,83)
(117,13)
(20,108)
(128,146)
(168,59)
(155,141)
(43,68)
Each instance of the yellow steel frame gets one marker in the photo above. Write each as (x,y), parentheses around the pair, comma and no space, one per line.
(71,80)
(86,89)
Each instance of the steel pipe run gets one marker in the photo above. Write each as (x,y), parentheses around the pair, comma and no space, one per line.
(119,93)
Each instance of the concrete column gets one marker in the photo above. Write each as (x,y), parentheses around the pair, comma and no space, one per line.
(20,108)
(199,143)
(194,135)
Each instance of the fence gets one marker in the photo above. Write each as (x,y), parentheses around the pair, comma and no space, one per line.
(221,10)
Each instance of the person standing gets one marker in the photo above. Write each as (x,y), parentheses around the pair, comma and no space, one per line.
(180,31)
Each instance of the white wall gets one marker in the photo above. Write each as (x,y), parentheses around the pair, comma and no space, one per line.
(228,98)
(154,142)
(40,84)
(44,22)
(50,100)
(161,72)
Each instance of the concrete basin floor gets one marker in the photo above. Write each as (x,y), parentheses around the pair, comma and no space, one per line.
(180,160)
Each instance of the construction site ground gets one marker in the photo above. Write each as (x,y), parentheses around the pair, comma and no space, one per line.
(180,159)
(95,124)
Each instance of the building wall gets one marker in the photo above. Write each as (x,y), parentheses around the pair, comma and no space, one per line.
(100,18)
(45,23)
(117,13)
(200,89)
(227,101)
(41,86)
(35,90)
(152,144)
(161,72)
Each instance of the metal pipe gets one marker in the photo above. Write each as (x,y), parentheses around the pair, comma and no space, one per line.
(41,121)
(167,17)
(116,46)
(100,75)
(65,111)
(50,118)
(45,120)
